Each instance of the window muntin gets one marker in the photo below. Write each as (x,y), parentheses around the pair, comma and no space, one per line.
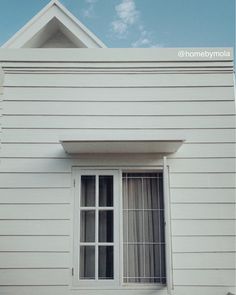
(96,216)
(143,228)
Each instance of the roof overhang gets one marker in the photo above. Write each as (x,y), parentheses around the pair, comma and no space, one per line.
(121,146)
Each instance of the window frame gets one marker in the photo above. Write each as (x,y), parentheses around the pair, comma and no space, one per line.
(117,283)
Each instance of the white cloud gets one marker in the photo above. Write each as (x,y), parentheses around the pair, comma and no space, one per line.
(126,15)
(145,39)
(89,11)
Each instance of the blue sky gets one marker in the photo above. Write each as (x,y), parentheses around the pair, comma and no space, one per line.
(138,23)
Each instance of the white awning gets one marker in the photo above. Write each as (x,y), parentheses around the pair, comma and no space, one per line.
(121,146)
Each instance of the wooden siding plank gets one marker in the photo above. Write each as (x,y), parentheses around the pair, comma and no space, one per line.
(117,80)
(34,227)
(204,260)
(34,196)
(202,165)
(34,243)
(195,244)
(34,260)
(118,108)
(203,180)
(30,277)
(204,277)
(120,94)
(37,211)
(203,211)
(118,122)
(203,227)
(194,195)
(35,180)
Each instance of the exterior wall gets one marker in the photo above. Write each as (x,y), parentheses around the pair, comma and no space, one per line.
(110,98)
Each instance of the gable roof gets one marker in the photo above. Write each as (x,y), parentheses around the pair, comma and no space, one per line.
(54,26)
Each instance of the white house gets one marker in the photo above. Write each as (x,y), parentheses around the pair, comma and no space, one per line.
(117,171)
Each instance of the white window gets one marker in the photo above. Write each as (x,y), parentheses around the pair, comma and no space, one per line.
(119,231)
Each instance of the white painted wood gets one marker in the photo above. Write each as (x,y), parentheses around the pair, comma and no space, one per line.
(35,196)
(208,165)
(25,211)
(205,277)
(35,180)
(118,108)
(118,94)
(203,227)
(35,227)
(190,195)
(117,122)
(196,244)
(203,180)
(11,277)
(203,211)
(204,261)
(52,136)
(34,243)
(34,260)
(35,290)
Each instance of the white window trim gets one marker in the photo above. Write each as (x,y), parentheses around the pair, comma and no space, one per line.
(118,284)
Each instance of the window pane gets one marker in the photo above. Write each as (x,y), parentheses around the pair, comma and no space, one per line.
(87,262)
(87,226)
(143,228)
(105,262)
(106,191)
(105,226)
(88,184)
(132,193)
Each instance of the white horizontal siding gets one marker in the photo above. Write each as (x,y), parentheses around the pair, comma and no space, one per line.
(29,226)
(23,243)
(35,195)
(204,261)
(204,277)
(52,136)
(203,211)
(34,260)
(118,122)
(207,195)
(11,277)
(118,108)
(37,211)
(119,80)
(208,244)
(119,94)
(203,227)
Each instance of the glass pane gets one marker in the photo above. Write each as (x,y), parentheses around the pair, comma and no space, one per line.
(151,192)
(134,265)
(88,185)
(105,226)
(153,227)
(105,262)
(135,226)
(87,262)
(105,191)
(153,263)
(132,193)
(87,226)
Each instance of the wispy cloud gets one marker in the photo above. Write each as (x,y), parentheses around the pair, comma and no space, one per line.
(126,16)
(89,11)
(145,39)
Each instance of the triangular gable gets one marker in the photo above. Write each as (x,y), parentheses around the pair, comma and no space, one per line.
(54,27)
